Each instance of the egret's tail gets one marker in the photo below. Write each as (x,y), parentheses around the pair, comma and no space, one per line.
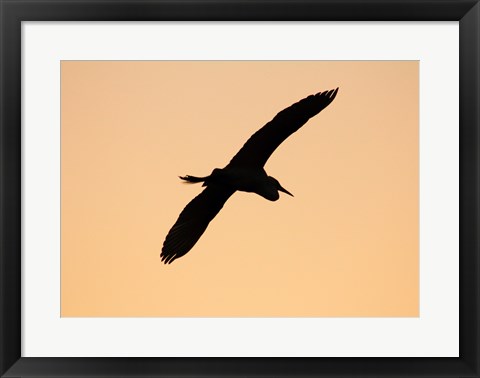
(192,179)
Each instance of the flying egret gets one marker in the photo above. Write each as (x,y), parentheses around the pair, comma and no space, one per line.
(244,173)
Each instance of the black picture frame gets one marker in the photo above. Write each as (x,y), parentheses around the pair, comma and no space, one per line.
(13,12)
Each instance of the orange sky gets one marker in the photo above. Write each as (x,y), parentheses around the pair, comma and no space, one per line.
(345,245)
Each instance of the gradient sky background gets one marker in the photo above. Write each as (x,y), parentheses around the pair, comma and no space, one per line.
(345,245)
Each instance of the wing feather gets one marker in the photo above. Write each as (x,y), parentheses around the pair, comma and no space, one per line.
(193,221)
(256,151)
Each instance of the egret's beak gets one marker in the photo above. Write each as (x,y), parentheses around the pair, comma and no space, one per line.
(284,190)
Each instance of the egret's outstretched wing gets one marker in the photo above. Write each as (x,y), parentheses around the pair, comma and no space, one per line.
(256,151)
(193,221)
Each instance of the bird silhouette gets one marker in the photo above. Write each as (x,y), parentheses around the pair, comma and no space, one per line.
(244,173)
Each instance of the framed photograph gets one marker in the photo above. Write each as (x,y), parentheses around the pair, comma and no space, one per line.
(239,188)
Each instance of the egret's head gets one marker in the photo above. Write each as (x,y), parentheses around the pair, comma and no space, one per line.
(278,188)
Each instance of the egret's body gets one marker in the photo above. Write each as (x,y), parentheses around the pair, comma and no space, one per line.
(255,181)
(244,173)
(245,180)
